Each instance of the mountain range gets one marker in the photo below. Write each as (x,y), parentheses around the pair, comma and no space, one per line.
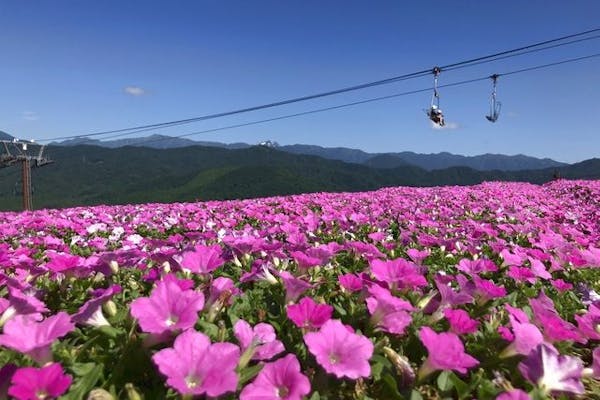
(88,175)
(429,162)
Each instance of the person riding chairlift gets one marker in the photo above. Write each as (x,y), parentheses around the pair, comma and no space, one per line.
(435,114)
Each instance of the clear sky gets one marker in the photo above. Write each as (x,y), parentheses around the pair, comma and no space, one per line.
(73,67)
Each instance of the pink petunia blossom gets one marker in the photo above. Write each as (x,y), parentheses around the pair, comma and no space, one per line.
(487,289)
(398,273)
(304,260)
(526,337)
(340,351)
(91,312)
(460,321)
(476,267)
(39,383)
(446,352)
(555,328)
(418,255)
(521,274)
(195,366)
(28,336)
(350,282)
(551,372)
(202,259)
(561,285)
(281,379)
(388,313)
(294,287)
(168,309)
(258,343)
(307,314)
(589,324)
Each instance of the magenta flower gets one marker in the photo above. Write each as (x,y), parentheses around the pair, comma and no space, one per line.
(91,312)
(446,352)
(28,336)
(487,289)
(22,302)
(305,261)
(460,321)
(551,372)
(39,383)
(476,267)
(169,308)
(340,351)
(63,262)
(307,314)
(521,274)
(281,379)
(398,273)
(418,255)
(195,366)
(388,313)
(202,259)
(258,343)
(350,282)
(514,394)
(223,290)
(555,328)
(526,337)
(561,285)
(589,323)
(294,287)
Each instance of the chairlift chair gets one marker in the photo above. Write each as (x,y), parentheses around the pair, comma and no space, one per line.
(495,105)
(434,112)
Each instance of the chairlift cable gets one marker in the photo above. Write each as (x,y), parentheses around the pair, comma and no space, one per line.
(413,75)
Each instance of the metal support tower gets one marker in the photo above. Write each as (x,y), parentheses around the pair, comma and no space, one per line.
(29,154)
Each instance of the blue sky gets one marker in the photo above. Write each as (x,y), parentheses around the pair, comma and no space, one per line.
(66,65)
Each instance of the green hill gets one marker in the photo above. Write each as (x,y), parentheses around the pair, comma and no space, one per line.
(86,175)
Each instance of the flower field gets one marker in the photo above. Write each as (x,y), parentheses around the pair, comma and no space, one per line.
(481,292)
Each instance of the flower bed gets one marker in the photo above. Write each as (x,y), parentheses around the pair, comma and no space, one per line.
(480,292)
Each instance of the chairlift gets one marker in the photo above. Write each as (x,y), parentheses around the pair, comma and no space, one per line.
(434,112)
(495,105)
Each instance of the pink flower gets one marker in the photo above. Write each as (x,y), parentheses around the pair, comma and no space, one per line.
(202,259)
(91,312)
(39,383)
(418,255)
(446,352)
(552,372)
(475,267)
(222,290)
(305,261)
(169,308)
(281,379)
(294,287)
(561,285)
(388,312)
(350,282)
(555,328)
(195,366)
(521,274)
(258,343)
(28,336)
(398,272)
(526,337)
(309,315)
(589,323)
(460,321)
(487,289)
(340,351)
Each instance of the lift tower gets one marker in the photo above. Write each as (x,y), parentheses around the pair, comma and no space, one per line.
(29,154)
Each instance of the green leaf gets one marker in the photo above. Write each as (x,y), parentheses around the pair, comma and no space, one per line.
(85,384)
(415,395)
(249,372)
(462,389)
(392,387)
(315,396)
(443,381)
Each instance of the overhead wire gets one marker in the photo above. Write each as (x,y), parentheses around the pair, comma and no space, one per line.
(374,99)
(461,64)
